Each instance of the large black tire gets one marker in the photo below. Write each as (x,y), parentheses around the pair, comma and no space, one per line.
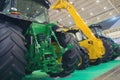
(108,50)
(117,53)
(83,54)
(12,49)
(70,59)
(117,50)
(83,57)
(114,57)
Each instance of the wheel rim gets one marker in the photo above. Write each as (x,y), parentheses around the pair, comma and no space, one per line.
(80,62)
(93,60)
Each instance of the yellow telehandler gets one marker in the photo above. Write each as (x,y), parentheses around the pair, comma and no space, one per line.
(96,48)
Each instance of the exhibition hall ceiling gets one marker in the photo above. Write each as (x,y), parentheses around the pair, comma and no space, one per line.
(92,11)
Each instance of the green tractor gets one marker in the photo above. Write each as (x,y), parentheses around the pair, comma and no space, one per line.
(28,42)
(115,48)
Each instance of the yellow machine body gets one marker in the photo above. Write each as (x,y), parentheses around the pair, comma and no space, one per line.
(92,44)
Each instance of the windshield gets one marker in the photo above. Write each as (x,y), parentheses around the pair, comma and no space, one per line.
(30,10)
(96,31)
(80,36)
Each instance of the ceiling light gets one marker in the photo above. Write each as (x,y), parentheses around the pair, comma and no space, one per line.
(91,14)
(110,13)
(97,1)
(57,11)
(98,18)
(60,19)
(71,2)
(82,9)
(105,7)
(68,15)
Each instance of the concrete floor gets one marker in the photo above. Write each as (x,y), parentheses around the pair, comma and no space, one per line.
(113,74)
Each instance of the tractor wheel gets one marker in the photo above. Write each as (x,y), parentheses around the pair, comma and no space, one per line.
(12,49)
(114,57)
(117,50)
(108,50)
(82,54)
(84,59)
(117,53)
(70,59)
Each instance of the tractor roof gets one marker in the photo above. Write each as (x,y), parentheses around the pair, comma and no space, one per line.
(45,3)
(95,26)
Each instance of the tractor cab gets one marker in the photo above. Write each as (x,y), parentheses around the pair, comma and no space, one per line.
(96,29)
(31,10)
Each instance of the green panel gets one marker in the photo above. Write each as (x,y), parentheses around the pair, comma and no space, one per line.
(41,53)
(89,74)
(40,28)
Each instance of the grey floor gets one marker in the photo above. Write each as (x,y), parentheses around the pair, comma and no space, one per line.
(113,74)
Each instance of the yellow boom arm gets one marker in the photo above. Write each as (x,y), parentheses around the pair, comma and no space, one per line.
(64,4)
